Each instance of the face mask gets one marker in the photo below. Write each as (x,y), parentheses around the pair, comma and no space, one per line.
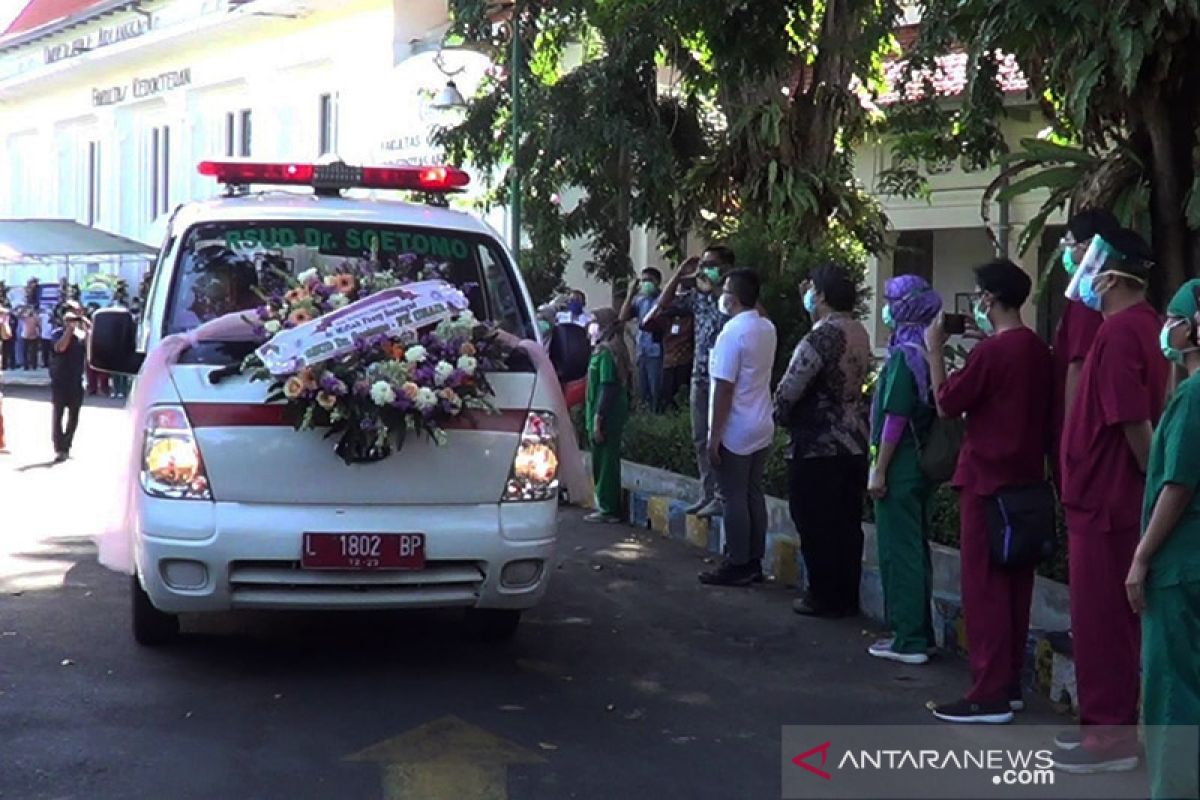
(712,274)
(544,327)
(981,319)
(649,287)
(1068,260)
(1088,294)
(725,304)
(575,307)
(594,333)
(810,301)
(888,319)
(1173,354)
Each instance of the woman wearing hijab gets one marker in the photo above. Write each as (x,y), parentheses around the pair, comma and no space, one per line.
(610,374)
(902,411)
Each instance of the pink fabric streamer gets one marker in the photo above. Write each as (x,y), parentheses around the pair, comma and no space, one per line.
(115,539)
(893,427)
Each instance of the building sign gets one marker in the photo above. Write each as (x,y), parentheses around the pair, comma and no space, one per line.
(414,149)
(140,88)
(101,37)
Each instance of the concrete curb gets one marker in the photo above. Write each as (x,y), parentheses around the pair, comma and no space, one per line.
(658,500)
(20,377)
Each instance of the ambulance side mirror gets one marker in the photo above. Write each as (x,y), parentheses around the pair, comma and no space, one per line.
(112,347)
(570,351)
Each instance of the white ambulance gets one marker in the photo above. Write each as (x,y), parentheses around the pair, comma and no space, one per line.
(279,521)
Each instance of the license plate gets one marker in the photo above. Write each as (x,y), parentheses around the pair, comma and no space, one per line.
(363,551)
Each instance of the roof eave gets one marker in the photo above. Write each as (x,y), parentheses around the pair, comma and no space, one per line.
(65,23)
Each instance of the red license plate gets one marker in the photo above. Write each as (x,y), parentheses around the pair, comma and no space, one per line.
(363,551)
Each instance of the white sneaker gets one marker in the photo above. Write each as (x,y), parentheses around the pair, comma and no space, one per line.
(883,649)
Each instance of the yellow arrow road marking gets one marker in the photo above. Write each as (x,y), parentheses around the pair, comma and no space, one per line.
(446,758)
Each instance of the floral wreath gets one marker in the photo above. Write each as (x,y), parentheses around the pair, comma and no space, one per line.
(418,381)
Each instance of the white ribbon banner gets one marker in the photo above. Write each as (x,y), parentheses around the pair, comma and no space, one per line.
(390,312)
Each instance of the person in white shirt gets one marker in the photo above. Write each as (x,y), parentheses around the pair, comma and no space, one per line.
(741,427)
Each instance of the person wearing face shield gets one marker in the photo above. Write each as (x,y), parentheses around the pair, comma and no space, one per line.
(1078,325)
(703,305)
(610,376)
(1004,392)
(1163,584)
(1105,450)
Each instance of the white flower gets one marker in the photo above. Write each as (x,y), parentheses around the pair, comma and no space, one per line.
(338,300)
(415,354)
(330,280)
(467,364)
(382,393)
(306,276)
(426,398)
(272,326)
(442,372)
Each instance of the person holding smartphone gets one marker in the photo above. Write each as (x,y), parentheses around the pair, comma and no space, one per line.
(1004,391)
(703,305)
(66,379)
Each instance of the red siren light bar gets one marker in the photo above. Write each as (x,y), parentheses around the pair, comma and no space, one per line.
(336,176)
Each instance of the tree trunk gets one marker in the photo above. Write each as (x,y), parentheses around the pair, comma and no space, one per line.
(1169,174)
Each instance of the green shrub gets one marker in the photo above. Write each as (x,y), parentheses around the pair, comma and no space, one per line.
(665,441)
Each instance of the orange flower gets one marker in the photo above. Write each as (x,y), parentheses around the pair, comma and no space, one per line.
(397,352)
(410,389)
(345,284)
(298,295)
(308,378)
(300,316)
(467,349)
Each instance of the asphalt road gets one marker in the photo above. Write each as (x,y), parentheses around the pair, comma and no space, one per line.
(630,681)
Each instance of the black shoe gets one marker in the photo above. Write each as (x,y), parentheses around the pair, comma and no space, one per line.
(60,458)
(729,575)
(974,713)
(1086,761)
(805,607)
(1068,740)
(756,576)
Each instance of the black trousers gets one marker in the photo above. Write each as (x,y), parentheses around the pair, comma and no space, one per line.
(8,353)
(675,380)
(826,499)
(32,348)
(65,405)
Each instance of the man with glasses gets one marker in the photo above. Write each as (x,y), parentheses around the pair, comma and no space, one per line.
(705,274)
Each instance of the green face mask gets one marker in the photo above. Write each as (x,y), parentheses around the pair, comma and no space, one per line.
(649,287)
(712,274)
(1068,260)
(981,319)
(888,319)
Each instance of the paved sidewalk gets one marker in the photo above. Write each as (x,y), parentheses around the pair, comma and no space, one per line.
(21,377)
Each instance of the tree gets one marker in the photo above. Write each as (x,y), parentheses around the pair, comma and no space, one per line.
(1114,81)
(753,139)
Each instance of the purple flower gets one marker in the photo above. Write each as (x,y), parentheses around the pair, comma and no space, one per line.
(264,313)
(362,388)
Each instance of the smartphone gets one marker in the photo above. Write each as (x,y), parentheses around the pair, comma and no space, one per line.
(956,324)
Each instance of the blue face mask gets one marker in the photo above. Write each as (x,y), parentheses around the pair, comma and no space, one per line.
(575,307)
(1088,294)
(810,301)
(888,319)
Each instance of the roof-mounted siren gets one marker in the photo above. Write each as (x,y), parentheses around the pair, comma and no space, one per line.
(333,178)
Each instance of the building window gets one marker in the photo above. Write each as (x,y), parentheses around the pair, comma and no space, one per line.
(237,133)
(914,255)
(160,171)
(93,183)
(327,125)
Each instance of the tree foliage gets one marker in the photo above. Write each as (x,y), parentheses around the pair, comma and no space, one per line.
(1114,80)
(735,117)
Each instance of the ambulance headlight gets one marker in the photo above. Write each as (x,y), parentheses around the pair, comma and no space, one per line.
(171,463)
(534,474)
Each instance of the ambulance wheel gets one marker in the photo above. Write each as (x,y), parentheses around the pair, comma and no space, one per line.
(492,624)
(151,627)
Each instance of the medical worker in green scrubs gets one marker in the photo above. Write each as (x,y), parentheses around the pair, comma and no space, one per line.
(1164,579)
(610,376)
